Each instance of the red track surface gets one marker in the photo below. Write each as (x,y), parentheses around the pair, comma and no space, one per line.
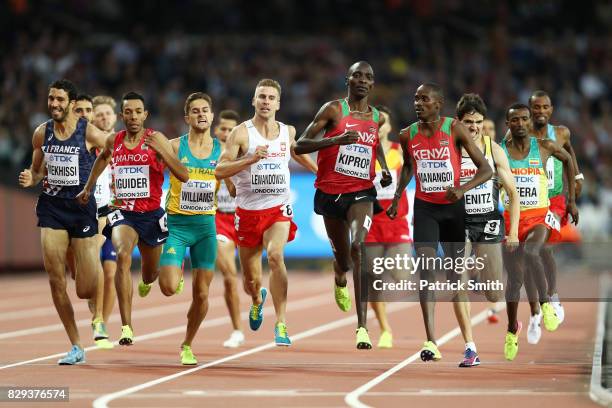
(319,370)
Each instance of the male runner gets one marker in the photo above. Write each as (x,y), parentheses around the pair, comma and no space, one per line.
(138,156)
(64,144)
(483,221)
(526,156)
(257,153)
(432,147)
(345,196)
(226,234)
(388,238)
(488,128)
(191,216)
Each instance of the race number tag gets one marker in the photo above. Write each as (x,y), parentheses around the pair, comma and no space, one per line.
(114,217)
(385,193)
(528,188)
(287,210)
(269,177)
(492,227)
(163,223)
(198,195)
(236,222)
(62,169)
(102,192)
(435,176)
(354,161)
(552,221)
(479,200)
(131,182)
(550,172)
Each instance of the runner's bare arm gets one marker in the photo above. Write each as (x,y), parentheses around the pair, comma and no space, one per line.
(175,143)
(507,181)
(484,172)
(324,119)
(94,137)
(405,174)
(32,176)
(230,187)
(98,167)
(229,163)
(158,142)
(568,147)
(551,148)
(303,159)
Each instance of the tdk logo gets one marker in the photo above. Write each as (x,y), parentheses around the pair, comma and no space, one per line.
(357,148)
(433,165)
(131,170)
(61,158)
(269,166)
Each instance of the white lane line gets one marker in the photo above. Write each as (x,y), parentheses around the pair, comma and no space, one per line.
(352,398)
(597,392)
(219,321)
(103,401)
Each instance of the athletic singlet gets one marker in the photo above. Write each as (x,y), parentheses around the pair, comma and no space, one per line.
(102,192)
(482,199)
(137,175)
(530,178)
(385,195)
(554,168)
(67,161)
(225,202)
(349,168)
(436,162)
(265,184)
(197,195)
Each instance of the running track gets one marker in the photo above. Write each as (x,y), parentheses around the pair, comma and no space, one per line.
(321,369)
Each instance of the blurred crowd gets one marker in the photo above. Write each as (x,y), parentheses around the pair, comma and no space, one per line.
(501,50)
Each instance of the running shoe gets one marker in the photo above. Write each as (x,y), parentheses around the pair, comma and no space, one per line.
(470,359)
(180,287)
(143,288)
(187,357)
(492,316)
(76,355)
(256,313)
(534,330)
(100,335)
(343,299)
(551,321)
(235,339)
(556,304)
(127,336)
(363,339)
(385,340)
(430,352)
(511,345)
(281,338)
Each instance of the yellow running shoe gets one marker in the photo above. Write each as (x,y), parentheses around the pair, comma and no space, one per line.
(187,357)
(551,321)
(180,286)
(511,345)
(127,336)
(385,340)
(343,299)
(430,352)
(363,339)
(143,288)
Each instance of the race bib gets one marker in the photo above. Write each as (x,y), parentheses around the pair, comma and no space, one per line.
(287,210)
(270,177)
(528,189)
(198,195)
(550,172)
(62,169)
(435,176)
(492,227)
(114,217)
(102,192)
(354,161)
(163,223)
(479,200)
(132,182)
(552,221)
(385,193)
(225,202)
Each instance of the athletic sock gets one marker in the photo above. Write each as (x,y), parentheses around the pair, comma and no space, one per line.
(471,345)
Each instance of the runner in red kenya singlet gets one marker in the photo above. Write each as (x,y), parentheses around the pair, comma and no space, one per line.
(346,197)
(138,156)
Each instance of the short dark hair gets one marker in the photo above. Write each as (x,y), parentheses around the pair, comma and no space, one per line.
(538,94)
(131,96)
(384,108)
(470,103)
(517,106)
(435,88)
(67,86)
(230,115)
(194,97)
(84,97)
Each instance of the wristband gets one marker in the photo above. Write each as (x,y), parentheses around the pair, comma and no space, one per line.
(579,177)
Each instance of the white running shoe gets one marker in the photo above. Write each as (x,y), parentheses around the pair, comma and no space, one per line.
(534,331)
(235,339)
(558,307)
